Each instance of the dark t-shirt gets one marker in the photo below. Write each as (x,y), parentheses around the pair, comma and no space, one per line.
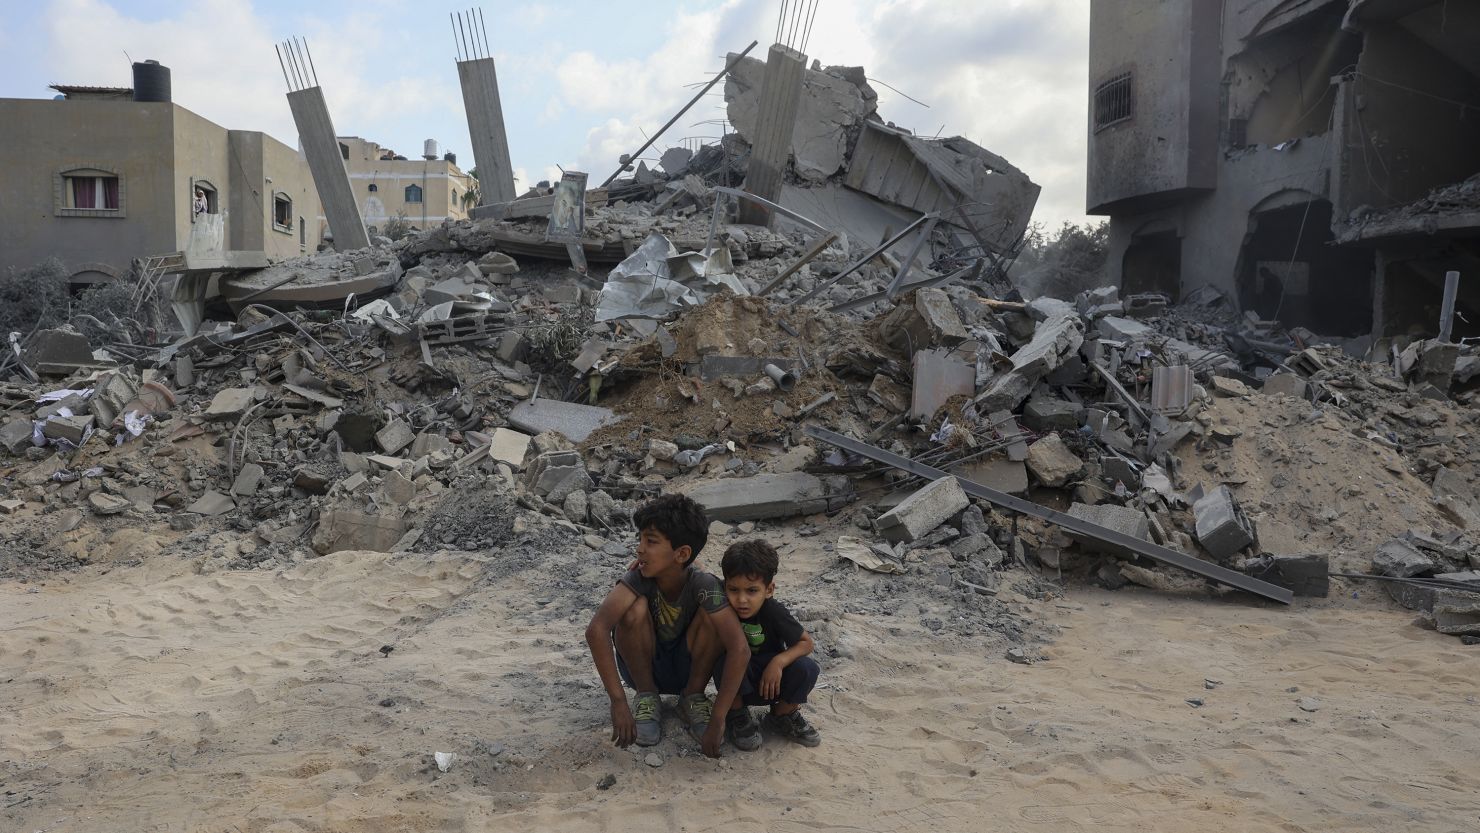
(772,629)
(671,618)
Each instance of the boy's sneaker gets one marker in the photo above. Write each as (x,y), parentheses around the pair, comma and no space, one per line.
(795,727)
(647,711)
(696,711)
(744,730)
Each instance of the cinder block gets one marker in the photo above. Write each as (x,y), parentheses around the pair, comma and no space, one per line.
(923,511)
(1222,527)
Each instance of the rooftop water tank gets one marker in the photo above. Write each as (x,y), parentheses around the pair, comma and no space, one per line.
(429,149)
(151,81)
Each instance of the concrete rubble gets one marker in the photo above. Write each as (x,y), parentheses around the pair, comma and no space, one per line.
(466,383)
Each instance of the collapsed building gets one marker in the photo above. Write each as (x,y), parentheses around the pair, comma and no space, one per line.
(1313,159)
(852,357)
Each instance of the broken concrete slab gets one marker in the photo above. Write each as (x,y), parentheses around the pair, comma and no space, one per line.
(395,436)
(1457,613)
(939,376)
(508,446)
(1051,461)
(103,503)
(1222,528)
(247,480)
(1001,473)
(1228,387)
(1053,342)
(922,511)
(63,350)
(766,496)
(574,421)
(1401,559)
(15,436)
(211,503)
(1285,384)
(1123,329)
(1045,412)
(230,403)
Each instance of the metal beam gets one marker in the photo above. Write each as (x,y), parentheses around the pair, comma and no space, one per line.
(695,100)
(861,262)
(1207,570)
(779,209)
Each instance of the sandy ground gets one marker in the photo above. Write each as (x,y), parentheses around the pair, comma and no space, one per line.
(170,697)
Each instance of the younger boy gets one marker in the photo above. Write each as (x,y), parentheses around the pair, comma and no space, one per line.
(663,644)
(780,674)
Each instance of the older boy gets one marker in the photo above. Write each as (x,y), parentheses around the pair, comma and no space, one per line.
(664,645)
(780,674)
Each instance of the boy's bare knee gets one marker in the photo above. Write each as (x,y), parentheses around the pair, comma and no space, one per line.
(636,615)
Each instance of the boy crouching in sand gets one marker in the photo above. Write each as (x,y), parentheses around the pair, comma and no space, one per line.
(664,644)
(779,673)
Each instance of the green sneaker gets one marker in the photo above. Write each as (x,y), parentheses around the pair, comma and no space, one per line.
(646,711)
(696,711)
(743,730)
(795,727)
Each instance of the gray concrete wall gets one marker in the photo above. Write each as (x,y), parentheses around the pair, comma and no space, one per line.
(775,120)
(316,135)
(285,170)
(486,130)
(43,139)
(1168,146)
(246,205)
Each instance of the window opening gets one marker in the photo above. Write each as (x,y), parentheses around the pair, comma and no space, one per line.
(1113,101)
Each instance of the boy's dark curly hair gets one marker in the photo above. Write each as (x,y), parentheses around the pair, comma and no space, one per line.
(750,558)
(679,518)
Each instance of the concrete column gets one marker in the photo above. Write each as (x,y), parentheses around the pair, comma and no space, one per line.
(246,219)
(486,129)
(321,147)
(776,118)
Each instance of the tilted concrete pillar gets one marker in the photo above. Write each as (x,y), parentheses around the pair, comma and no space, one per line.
(321,146)
(486,129)
(781,94)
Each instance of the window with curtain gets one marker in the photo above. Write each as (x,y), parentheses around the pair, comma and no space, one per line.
(95,192)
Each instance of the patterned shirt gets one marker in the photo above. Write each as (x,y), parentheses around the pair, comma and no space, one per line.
(671,618)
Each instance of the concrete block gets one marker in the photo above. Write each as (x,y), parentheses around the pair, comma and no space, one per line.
(922,511)
(230,403)
(1401,559)
(511,347)
(354,483)
(425,444)
(57,347)
(1045,412)
(1221,526)
(509,446)
(15,436)
(394,436)
(556,484)
(1051,462)
(397,489)
(1232,388)
(939,317)
(1116,328)
(1145,305)
(575,421)
(69,429)
(311,479)
(1304,575)
(247,480)
(1000,473)
(1457,613)
(1285,384)
(939,375)
(765,496)
(889,393)
(340,530)
(1123,519)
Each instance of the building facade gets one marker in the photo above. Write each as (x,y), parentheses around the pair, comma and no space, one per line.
(99,179)
(425,191)
(1284,151)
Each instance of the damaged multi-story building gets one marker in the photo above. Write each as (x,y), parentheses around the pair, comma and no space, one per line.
(100,176)
(421,192)
(1316,160)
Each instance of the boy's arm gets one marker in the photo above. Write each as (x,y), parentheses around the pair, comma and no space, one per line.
(737,657)
(603,653)
(771,677)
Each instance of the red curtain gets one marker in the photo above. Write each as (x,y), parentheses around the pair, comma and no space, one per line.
(110,192)
(84,192)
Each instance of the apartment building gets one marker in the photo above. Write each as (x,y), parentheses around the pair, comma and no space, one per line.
(425,191)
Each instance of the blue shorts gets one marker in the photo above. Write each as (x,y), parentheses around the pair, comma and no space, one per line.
(671,666)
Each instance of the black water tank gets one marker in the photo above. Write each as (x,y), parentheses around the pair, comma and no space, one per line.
(449,157)
(151,81)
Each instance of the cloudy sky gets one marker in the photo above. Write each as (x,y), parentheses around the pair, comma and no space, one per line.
(582,82)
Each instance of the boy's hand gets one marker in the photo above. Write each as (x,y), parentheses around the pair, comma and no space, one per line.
(713,737)
(771,681)
(624,727)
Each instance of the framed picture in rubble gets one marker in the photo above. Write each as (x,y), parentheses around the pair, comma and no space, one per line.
(568,212)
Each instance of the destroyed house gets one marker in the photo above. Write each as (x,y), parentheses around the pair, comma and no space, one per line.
(101,176)
(1316,160)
